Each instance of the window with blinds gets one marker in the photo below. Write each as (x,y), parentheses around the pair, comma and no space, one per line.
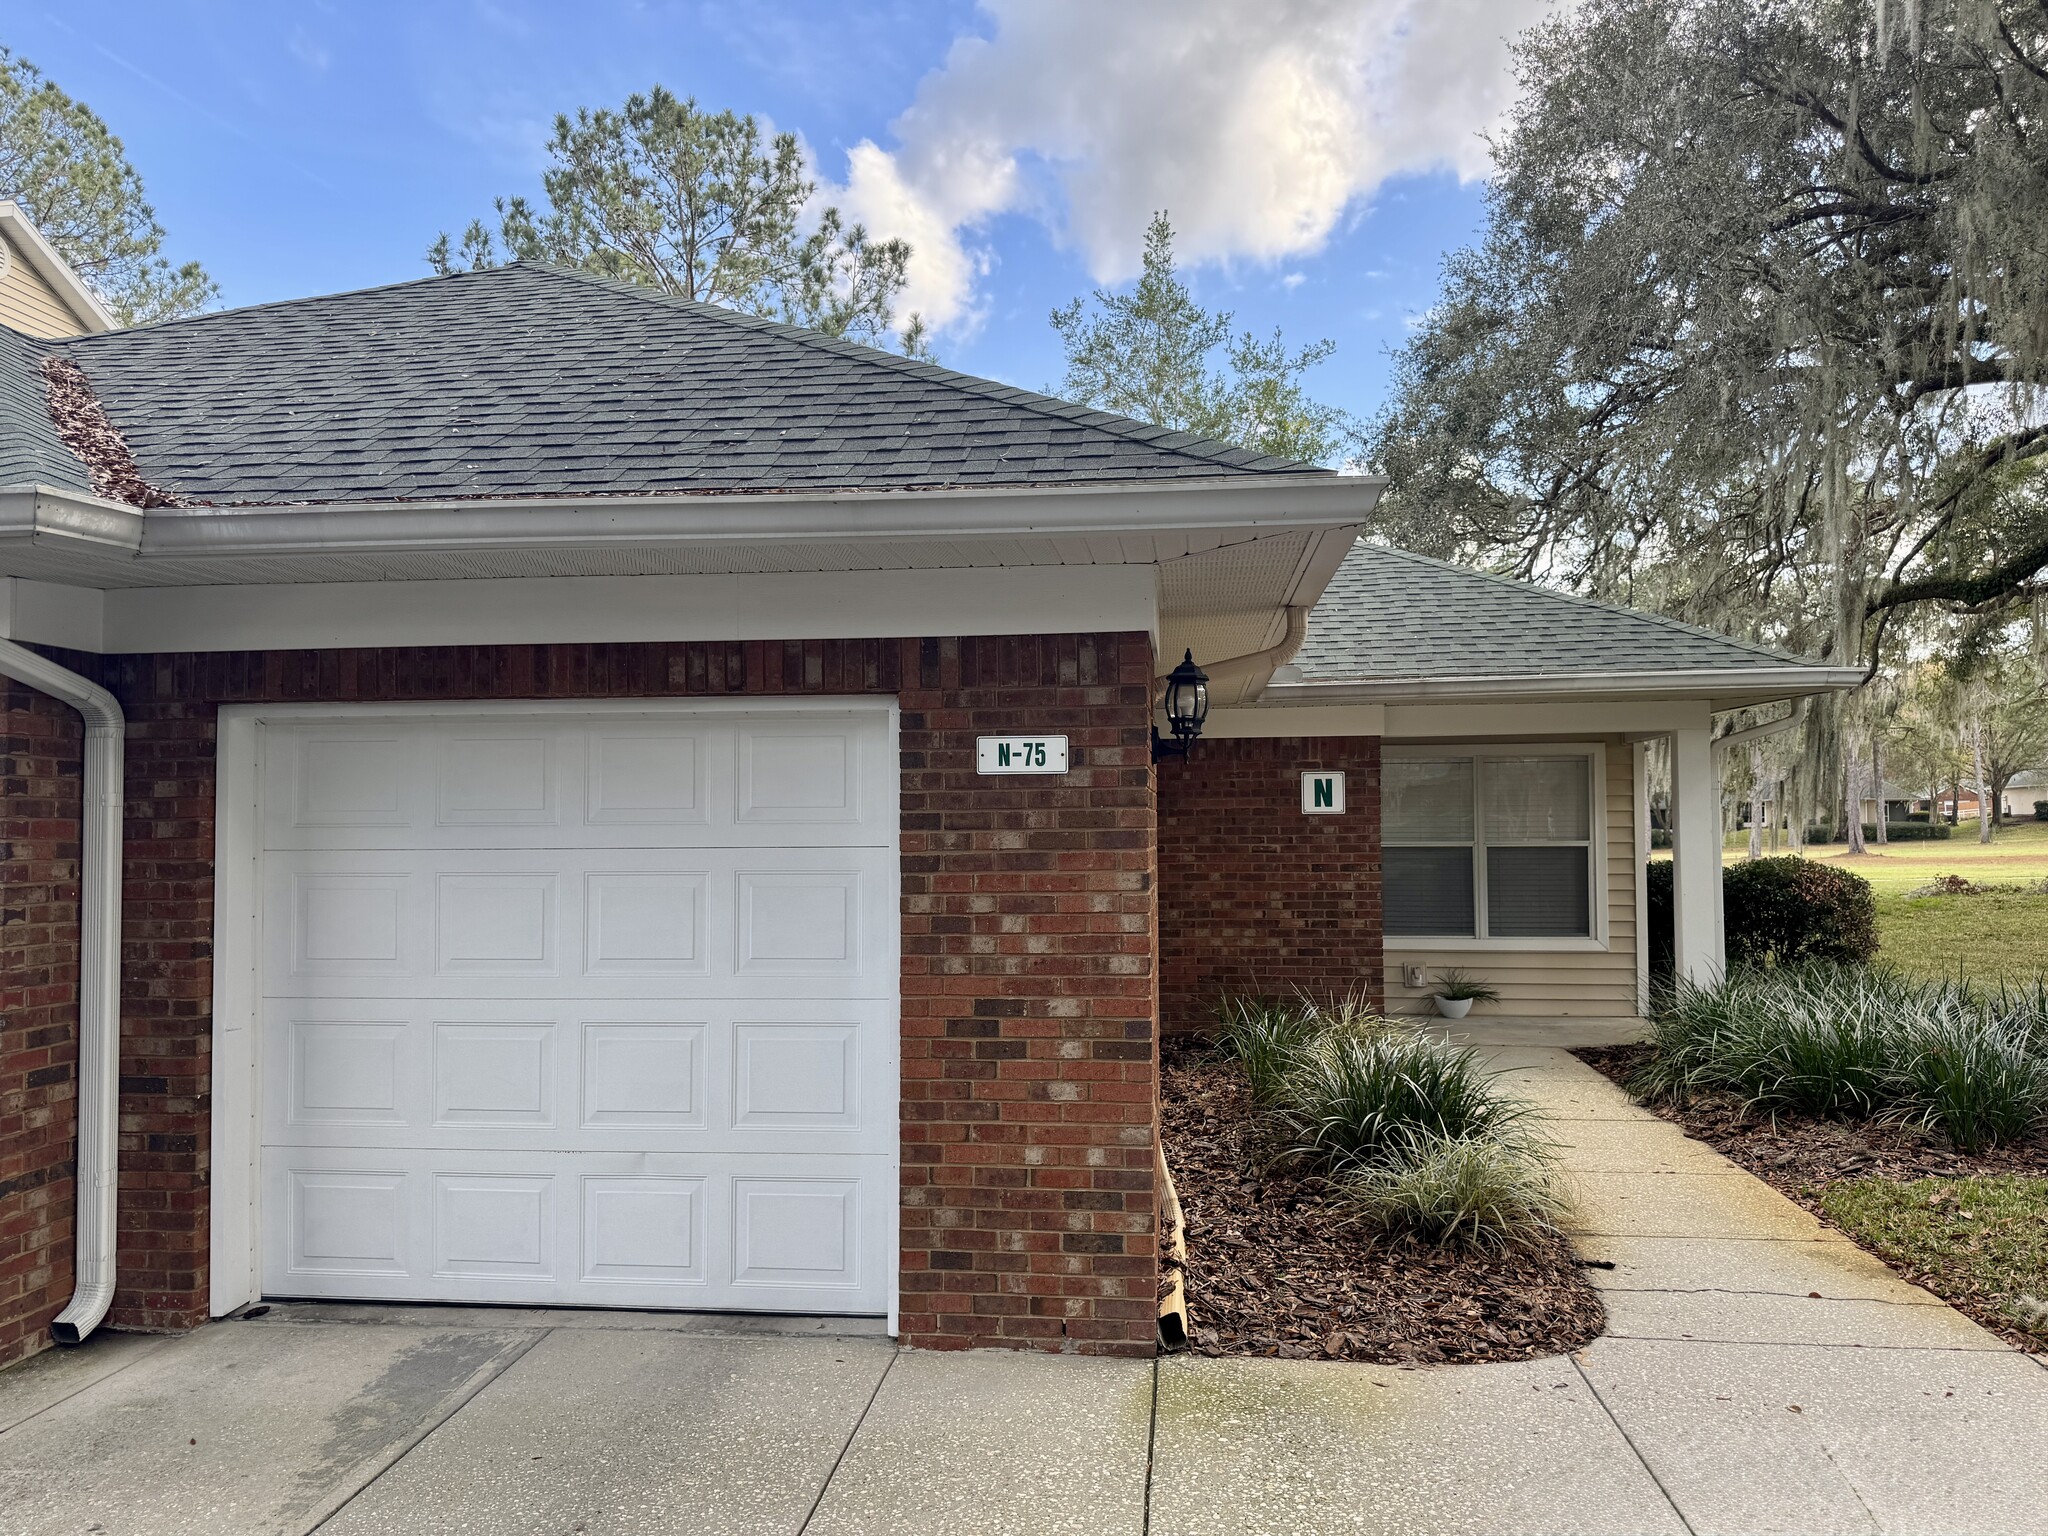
(1487,844)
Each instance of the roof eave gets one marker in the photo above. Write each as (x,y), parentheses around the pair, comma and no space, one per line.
(1253,505)
(1719,687)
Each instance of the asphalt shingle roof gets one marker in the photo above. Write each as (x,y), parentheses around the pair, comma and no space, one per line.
(1388,614)
(30,450)
(534,380)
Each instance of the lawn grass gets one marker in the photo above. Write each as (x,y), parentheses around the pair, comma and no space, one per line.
(1991,937)
(1980,1242)
(1995,936)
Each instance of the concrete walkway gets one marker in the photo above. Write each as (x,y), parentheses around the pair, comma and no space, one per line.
(1760,1375)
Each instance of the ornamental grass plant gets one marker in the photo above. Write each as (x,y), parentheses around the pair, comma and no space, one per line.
(1412,1133)
(1855,1042)
(1355,1098)
(1475,1191)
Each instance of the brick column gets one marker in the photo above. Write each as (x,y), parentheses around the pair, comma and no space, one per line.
(1030,1095)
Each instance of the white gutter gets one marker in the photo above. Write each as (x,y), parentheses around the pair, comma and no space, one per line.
(1233,670)
(1769,728)
(99,985)
(1249,505)
(1764,682)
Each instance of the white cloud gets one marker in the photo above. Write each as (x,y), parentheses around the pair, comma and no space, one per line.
(1259,126)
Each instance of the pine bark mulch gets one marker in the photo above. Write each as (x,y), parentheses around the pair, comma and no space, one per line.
(1274,1271)
(1801,1158)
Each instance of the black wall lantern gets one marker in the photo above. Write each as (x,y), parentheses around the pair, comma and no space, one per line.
(1187,706)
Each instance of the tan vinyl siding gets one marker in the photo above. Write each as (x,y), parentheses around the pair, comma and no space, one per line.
(1565,983)
(27,303)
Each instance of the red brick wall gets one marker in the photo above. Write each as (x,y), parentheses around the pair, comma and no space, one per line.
(1253,895)
(40,761)
(1029,975)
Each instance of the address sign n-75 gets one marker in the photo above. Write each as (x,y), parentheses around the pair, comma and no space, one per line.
(1020,754)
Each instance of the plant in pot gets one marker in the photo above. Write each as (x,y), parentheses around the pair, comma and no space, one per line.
(1456,991)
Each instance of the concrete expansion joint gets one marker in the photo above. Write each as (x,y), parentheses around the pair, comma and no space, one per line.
(1996,1347)
(1731,1290)
(1823,1235)
(1629,1440)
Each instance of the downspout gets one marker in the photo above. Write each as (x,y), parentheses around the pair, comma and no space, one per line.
(99,984)
(1227,673)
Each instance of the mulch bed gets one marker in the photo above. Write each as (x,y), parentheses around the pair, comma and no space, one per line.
(1273,1271)
(1800,1157)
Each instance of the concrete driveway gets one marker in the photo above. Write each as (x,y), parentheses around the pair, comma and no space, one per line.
(356,1421)
(1759,1374)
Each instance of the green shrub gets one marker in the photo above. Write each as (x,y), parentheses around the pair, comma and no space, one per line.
(1912,831)
(1787,910)
(1658,908)
(1908,831)
(1858,1042)
(1779,910)
(1472,1191)
(1355,1097)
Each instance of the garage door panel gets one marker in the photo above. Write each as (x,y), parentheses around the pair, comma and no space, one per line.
(656,780)
(764,1075)
(593,1008)
(629,1230)
(616,922)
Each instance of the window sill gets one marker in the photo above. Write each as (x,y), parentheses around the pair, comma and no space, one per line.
(1393,945)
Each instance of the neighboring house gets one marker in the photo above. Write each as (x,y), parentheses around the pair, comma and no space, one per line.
(39,294)
(1899,803)
(2026,790)
(2015,802)
(561,864)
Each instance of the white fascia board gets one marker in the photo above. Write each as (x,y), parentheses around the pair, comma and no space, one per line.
(566,610)
(1251,503)
(1228,723)
(46,614)
(91,315)
(1756,684)
(1457,720)
(1474,721)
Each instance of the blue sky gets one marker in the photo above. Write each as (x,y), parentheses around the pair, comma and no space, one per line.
(1320,155)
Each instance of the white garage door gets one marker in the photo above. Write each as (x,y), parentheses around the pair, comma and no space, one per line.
(567,1005)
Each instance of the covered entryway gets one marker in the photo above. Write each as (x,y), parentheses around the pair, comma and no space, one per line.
(577,1004)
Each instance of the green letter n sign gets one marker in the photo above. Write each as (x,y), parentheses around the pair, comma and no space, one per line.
(1322,794)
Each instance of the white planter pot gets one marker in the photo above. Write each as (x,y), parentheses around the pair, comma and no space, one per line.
(1453,1007)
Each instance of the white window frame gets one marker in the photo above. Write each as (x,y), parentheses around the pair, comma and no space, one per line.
(1594,754)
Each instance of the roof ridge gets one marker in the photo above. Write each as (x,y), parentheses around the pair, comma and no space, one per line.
(204,315)
(1699,631)
(1196,447)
